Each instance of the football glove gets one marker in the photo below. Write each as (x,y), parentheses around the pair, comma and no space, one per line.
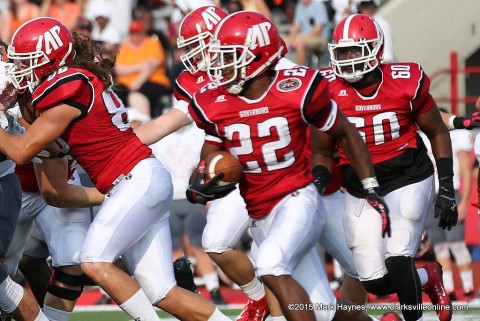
(201,192)
(321,177)
(468,122)
(378,203)
(445,204)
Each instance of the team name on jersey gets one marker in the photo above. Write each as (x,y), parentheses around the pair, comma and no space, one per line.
(368,107)
(253,112)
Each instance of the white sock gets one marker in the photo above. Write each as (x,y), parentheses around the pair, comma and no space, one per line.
(254,290)
(56,315)
(448,281)
(467,279)
(41,317)
(280,318)
(211,281)
(218,316)
(422,274)
(139,307)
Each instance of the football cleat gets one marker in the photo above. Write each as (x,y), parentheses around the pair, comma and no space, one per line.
(216,297)
(436,292)
(255,310)
(4,316)
(390,316)
(184,274)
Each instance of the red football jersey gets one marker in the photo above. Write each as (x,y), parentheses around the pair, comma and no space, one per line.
(386,117)
(186,85)
(101,139)
(28,179)
(268,135)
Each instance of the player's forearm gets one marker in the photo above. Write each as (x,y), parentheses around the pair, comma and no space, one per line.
(74,196)
(14,147)
(162,126)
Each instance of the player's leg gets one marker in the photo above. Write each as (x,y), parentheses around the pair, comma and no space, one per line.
(195,222)
(148,260)
(64,231)
(227,221)
(134,222)
(408,208)
(34,266)
(334,242)
(463,259)
(134,205)
(283,242)
(13,299)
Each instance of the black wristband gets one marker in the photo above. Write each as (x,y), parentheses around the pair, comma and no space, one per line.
(458,122)
(444,167)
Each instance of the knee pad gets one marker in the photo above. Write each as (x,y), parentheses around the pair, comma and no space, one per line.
(442,251)
(68,279)
(461,253)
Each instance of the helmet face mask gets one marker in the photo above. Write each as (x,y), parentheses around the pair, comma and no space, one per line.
(195,32)
(356,48)
(38,48)
(244,46)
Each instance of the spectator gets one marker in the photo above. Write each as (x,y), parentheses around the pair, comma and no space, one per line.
(310,30)
(369,8)
(342,9)
(66,11)
(120,12)
(141,71)
(84,26)
(104,32)
(256,6)
(20,11)
(453,241)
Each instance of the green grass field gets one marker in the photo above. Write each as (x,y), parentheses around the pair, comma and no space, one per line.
(114,314)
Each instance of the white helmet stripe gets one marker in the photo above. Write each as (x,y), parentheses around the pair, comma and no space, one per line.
(346,26)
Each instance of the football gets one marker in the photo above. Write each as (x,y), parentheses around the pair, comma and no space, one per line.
(227,164)
(8,93)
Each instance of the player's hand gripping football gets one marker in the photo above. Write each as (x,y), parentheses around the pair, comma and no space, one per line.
(446,205)
(378,203)
(201,192)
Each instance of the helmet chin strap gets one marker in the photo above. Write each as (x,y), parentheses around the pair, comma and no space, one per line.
(236,89)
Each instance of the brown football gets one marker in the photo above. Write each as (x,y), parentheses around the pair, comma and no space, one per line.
(227,164)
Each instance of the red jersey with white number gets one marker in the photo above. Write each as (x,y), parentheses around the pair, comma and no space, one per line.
(268,135)
(100,139)
(386,117)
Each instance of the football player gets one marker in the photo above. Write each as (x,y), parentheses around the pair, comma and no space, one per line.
(71,91)
(13,299)
(226,218)
(261,116)
(387,102)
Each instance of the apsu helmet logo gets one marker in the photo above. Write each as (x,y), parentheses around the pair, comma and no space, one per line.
(259,35)
(210,17)
(52,40)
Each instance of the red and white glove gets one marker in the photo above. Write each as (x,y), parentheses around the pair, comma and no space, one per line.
(370,185)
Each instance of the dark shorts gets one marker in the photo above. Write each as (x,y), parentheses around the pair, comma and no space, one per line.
(437,235)
(10,204)
(187,218)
